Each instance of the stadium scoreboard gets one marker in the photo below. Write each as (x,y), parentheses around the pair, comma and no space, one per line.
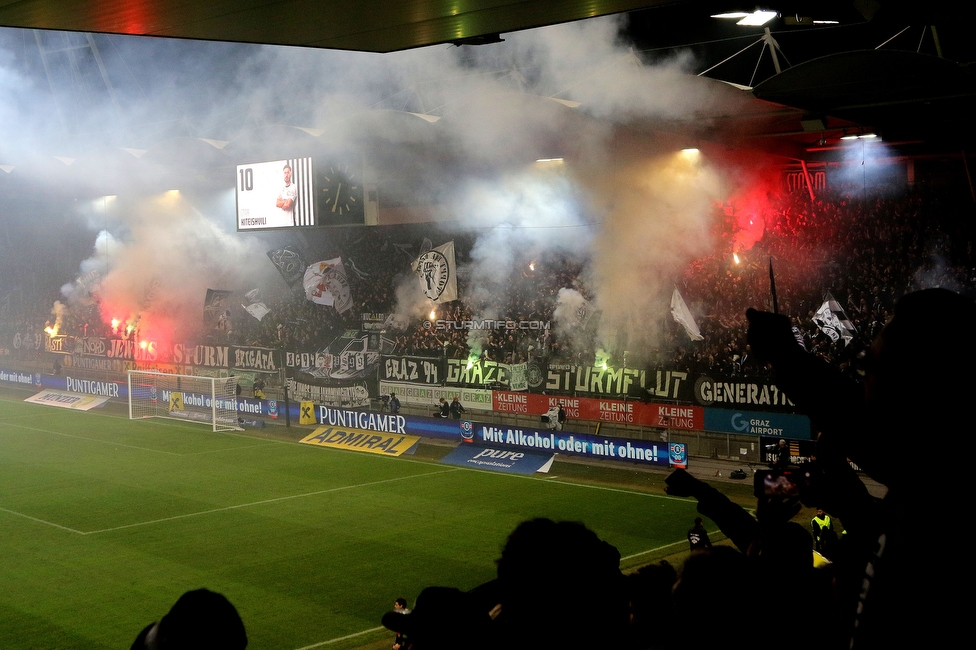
(298,192)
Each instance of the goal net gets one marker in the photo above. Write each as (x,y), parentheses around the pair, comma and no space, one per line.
(211,400)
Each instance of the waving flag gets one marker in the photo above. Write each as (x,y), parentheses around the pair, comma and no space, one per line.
(437,272)
(288,261)
(682,315)
(326,284)
(833,322)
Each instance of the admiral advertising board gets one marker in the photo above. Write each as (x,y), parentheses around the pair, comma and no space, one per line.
(362,440)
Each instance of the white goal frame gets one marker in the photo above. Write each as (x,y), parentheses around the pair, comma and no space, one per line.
(207,400)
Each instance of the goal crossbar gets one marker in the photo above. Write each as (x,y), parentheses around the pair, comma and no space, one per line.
(208,400)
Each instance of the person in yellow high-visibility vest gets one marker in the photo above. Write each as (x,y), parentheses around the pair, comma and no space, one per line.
(824,536)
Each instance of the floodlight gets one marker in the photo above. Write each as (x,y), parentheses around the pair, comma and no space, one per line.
(757,18)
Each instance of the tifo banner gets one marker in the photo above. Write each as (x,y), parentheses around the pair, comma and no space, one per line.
(67,400)
(414,370)
(669,416)
(758,423)
(315,359)
(740,391)
(579,444)
(462,372)
(187,354)
(360,440)
(353,394)
(94,346)
(421,395)
(347,374)
(612,382)
(373,322)
(519,379)
(499,460)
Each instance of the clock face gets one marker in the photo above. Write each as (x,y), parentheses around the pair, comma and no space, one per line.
(341,195)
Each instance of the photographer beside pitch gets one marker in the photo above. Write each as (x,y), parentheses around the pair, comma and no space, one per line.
(893,589)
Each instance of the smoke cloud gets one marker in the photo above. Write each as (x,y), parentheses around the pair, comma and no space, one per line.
(455,128)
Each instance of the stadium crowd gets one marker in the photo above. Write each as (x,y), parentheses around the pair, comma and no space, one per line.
(865,252)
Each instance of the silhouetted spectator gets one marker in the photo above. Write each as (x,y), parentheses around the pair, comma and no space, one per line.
(443,618)
(898,595)
(199,620)
(552,598)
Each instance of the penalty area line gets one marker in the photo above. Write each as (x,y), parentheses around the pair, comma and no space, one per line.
(342,638)
(41,521)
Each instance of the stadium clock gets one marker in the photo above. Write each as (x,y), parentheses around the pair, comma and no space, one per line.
(341,195)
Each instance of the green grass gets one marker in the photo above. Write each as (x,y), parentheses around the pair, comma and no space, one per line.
(105,522)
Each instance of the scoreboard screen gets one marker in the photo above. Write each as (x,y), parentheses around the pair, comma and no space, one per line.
(276,194)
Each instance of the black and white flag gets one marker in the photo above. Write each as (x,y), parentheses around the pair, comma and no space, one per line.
(437,272)
(833,322)
(216,310)
(289,263)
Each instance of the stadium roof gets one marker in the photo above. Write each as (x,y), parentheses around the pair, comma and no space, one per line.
(375,26)
(836,73)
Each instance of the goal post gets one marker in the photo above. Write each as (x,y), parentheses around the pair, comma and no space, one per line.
(209,400)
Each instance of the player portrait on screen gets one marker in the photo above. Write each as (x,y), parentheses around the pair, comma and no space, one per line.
(286,197)
(274,194)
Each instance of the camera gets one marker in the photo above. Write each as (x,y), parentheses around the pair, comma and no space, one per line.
(784,483)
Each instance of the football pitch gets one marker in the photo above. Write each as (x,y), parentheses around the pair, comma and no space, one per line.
(106,521)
